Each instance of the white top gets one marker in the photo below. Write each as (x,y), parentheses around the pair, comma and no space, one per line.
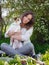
(26,35)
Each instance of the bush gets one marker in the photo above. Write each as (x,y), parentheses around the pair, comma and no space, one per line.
(18,60)
(45,58)
(41,27)
(24,60)
(4,40)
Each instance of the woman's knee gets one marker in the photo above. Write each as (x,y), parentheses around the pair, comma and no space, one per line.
(3,45)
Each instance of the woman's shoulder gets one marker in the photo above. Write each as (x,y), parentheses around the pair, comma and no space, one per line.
(31,28)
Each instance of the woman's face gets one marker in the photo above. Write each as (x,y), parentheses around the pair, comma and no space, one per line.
(27,18)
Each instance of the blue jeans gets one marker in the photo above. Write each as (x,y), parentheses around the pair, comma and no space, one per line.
(27,49)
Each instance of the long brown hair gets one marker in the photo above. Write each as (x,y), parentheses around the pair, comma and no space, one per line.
(29,24)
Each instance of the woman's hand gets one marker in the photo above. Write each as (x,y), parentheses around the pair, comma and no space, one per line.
(17,37)
(10,33)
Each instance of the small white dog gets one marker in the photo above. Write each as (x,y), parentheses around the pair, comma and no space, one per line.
(15,27)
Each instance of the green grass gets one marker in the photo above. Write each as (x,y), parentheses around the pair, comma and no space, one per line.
(42,48)
(4,40)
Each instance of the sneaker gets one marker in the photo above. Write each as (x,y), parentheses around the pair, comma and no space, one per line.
(34,56)
(38,56)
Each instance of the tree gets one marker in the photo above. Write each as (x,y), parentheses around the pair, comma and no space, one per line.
(41,13)
(1,22)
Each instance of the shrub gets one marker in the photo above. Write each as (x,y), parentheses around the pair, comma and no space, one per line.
(45,58)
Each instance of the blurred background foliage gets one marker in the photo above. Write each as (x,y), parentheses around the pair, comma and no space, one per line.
(40,8)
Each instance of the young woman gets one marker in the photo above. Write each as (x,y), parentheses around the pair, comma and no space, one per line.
(27,21)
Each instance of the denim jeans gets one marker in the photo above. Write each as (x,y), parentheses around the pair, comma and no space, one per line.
(27,49)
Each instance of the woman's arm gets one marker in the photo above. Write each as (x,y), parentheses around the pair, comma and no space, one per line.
(26,36)
(9,29)
(13,29)
(11,33)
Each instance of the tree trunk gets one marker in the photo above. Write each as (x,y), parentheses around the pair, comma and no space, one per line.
(1,22)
